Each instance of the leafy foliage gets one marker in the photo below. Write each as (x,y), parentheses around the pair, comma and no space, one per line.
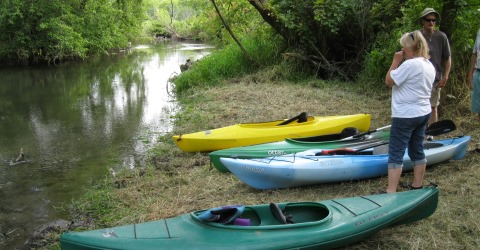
(55,30)
(195,19)
(330,37)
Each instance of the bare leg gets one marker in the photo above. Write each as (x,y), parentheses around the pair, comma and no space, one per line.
(393,178)
(418,173)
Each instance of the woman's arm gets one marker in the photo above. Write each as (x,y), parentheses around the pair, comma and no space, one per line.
(397,58)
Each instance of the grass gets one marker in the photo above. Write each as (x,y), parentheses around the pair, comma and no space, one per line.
(178,182)
(227,63)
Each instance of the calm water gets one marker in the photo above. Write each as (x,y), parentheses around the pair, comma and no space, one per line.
(74,122)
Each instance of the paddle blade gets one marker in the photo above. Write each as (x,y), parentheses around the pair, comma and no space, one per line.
(440,128)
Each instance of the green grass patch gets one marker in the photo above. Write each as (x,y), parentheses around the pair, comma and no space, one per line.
(227,63)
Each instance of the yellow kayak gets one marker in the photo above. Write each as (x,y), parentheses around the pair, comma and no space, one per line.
(262,132)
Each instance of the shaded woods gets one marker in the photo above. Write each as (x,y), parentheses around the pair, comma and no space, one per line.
(336,37)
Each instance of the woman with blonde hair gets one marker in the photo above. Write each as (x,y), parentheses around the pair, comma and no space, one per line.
(411,77)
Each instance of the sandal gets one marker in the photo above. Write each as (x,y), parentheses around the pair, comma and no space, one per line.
(477,150)
(409,186)
(379,192)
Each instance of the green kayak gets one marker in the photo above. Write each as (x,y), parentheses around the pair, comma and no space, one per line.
(290,146)
(315,225)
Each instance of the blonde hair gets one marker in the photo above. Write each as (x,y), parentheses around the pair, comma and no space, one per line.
(416,42)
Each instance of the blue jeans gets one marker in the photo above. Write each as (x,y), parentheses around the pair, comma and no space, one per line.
(407,133)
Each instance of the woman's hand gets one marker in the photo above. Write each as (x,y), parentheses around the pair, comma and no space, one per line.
(398,57)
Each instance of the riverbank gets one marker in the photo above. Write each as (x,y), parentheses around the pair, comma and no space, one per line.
(178,182)
(84,128)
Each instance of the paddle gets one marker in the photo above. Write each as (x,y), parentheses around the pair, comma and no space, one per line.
(302,117)
(435,129)
(440,128)
(366,133)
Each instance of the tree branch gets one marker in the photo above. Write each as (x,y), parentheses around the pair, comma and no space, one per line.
(270,18)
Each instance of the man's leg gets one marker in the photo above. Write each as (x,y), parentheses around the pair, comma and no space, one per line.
(434,103)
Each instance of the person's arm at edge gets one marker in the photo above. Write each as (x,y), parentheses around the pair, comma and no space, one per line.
(472,70)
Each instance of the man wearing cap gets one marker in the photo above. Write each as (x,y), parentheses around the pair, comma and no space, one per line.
(439,56)
(474,77)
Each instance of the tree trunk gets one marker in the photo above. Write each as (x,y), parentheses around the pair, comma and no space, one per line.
(449,12)
(171,13)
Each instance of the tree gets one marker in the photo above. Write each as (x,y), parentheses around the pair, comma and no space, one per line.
(310,28)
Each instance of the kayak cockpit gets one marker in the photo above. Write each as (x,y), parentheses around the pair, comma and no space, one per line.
(262,217)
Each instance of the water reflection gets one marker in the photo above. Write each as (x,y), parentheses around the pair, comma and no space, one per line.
(76,121)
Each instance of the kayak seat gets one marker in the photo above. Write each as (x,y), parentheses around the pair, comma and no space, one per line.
(223,215)
(280,215)
(302,117)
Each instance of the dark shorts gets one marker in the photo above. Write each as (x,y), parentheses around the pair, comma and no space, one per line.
(407,133)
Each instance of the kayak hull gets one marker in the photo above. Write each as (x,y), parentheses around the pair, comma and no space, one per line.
(263,132)
(307,168)
(317,225)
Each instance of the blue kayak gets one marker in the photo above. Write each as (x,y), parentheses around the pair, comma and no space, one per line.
(322,166)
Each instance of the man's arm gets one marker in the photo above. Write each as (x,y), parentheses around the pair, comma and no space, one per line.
(447,65)
(472,70)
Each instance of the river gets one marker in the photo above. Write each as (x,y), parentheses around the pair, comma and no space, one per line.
(75,121)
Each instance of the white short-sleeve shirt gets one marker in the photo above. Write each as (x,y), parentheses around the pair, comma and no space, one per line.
(413,87)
